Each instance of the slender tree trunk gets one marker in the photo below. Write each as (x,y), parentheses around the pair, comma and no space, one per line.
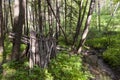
(32,49)
(26,29)
(49,17)
(19,19)
(44,20)
(99,15)
(112,15)
(87,24)
(70,18)
(80,21)
(1,29)
(65,16)
(10,8)
(40,16)
(57,21)
(58,16)
(5,18)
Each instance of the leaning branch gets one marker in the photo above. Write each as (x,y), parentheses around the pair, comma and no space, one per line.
(57,20)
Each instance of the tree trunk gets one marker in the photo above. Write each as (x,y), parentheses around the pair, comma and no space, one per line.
(86,28)
(57,21)
(32,49)
(40,17)
(99,15)
(80,21)
(65,16)
(1,29)
(41,50)
(58,16)
(19,18)
(10,9)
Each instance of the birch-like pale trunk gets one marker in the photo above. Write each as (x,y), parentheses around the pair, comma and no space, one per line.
(86,28)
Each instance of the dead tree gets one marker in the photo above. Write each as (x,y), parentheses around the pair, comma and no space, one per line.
(41,50)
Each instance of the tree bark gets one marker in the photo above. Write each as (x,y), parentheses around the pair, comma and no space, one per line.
(40,17)
(32,49)
(58,16)
(1,29)
(19,18)
(57,21)
(80,21)
(65,16)
(11,17)
(87,24)
(99,15)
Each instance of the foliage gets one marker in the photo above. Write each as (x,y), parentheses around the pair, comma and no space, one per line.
(11,71)
(112,56)
(111,43)
(116,1)
(66,67)
(108,36)
(18,71)
(8,48)
(40,74)
(22,47)
(97,43)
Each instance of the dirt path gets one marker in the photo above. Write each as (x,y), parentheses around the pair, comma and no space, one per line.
(98,67)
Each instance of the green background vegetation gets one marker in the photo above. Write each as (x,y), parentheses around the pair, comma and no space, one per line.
(70,67)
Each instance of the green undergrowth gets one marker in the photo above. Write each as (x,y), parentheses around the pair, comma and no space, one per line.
(97,43)
(63,67)
(20,71)
(8,49)
(112,56)
(112,53)
(66,67)
(106,36)
(110,42)
(63,42)
(14,70)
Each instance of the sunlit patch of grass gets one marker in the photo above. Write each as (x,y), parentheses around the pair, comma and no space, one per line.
(1,57)
(22,47)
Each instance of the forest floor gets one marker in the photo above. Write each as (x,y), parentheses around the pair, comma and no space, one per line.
(98,67)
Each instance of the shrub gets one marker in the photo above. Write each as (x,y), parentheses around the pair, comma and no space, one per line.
(112,56)
(97,43)
(63,67)
(66,67)
(19,71)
